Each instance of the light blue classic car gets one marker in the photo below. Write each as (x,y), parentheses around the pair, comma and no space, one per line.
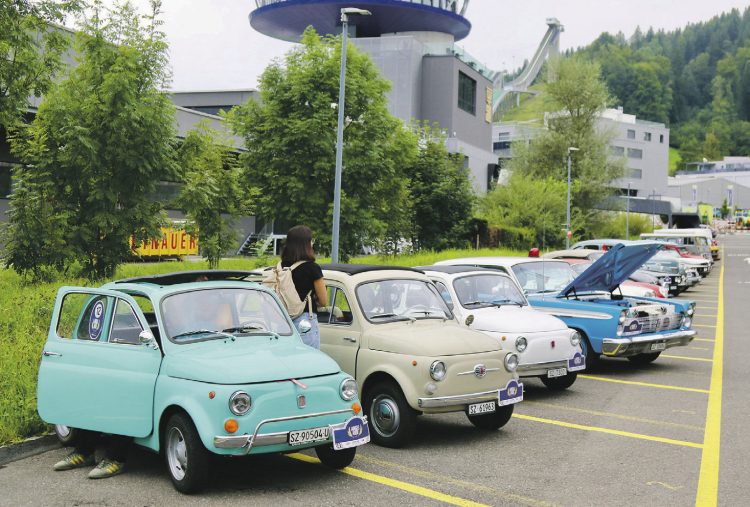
(610,324)
(191,364)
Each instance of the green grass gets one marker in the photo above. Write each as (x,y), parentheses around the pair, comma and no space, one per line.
(532,107)
(674,160)
(26,310)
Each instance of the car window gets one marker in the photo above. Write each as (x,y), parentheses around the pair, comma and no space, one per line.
(342,312)
(324,312)
(125,325)
(535,277)
(401,299)
(83,316)
(444,293)
(477,291)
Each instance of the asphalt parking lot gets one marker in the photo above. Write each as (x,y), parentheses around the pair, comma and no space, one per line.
(670,433)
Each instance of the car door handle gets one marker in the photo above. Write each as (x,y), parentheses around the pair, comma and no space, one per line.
(350,339)
(48,354)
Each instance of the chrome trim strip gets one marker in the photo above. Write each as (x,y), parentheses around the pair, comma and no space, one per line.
(471,372)
(563,363)
(461,399)
(652,337)
(559,312)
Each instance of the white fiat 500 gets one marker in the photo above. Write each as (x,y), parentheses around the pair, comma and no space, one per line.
(489,301)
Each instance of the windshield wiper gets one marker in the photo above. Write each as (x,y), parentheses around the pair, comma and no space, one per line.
(475,303)
(391,316)
(502,302)
(246,327)
(202,331)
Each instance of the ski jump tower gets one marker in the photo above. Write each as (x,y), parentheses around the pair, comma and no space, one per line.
(413,44)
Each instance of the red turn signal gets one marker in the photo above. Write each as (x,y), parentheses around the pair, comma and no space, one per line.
(231,425)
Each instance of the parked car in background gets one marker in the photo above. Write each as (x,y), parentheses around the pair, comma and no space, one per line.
(491,302)
(670,271)
(610,325)
(391,329)
(191,365)
(697,241)
(701,264)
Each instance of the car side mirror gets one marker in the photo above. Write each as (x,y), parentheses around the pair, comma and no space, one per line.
(305,326)
(147,338)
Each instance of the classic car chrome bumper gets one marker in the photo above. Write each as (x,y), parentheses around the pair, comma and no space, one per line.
(461,399)
(247,442)
(631,346)
(536,369)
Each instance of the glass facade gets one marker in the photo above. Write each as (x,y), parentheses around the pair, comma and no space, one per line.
(467,93)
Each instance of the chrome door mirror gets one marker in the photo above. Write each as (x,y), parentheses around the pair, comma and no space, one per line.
(147,338)
(304,326)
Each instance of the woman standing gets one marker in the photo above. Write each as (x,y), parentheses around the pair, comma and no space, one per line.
(307,277)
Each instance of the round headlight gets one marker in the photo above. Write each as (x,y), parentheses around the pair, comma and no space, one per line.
(240,403)
(511,362)
(575,338)
(348,389)
(521,344)
(686,321)
(691,309)
(437,370)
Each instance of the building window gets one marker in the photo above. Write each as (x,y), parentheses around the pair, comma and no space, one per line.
(467,93)
(661,138)
(631,134)
(617,151)
(635,174)
(635,153)
(647,136)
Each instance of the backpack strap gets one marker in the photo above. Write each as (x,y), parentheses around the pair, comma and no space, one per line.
(295,265)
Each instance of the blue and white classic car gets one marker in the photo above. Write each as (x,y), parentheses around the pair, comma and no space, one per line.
(191,364)
(610,324)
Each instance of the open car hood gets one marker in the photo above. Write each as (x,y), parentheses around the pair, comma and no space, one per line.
(612,268)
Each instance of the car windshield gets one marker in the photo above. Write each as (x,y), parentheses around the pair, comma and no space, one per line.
(391,300)
(213,313)
(537,277)
(580,267)
(478,291)
(669,253)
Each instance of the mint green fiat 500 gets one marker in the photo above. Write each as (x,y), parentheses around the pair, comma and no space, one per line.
(190,364)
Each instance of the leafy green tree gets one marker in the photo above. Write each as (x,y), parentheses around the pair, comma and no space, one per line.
(441,195)
(290,138)
(31,50)
(211,196)
(101,141)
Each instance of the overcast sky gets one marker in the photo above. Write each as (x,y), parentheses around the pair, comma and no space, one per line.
(213,47)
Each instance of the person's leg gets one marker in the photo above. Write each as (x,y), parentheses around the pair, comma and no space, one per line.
(115,454)
(83,453)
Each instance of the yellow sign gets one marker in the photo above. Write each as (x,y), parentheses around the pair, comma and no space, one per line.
(488,105)
(173,242)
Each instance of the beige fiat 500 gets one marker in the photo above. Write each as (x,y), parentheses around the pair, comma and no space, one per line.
(391,330)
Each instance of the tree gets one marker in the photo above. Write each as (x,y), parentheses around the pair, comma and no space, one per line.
(31,49)
(211,195)
(441,195)
(290,138)
(101,141)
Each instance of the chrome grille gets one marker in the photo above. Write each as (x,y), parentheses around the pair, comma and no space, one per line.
(655,323)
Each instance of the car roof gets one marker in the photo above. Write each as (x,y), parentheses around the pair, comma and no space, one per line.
(579,253)
(454,270)
(497,261)
(181,277)
(355,269)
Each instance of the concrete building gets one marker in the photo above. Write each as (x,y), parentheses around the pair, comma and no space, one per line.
(713,185)
(413,44)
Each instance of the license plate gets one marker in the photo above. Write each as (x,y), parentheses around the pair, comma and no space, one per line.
(482,408)
(659,346)
(312,435)
(557,372)
(673,287)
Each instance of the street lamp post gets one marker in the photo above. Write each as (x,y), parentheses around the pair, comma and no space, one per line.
(627,215)
(567,219)
(345,13)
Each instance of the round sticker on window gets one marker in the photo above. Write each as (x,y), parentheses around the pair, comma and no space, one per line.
(96,320)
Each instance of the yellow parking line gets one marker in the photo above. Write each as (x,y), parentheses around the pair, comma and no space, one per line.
(708,482)
(699,348)
(703,325)
(704,359)
(645,384)
(446,479)
(609,431)
(393,483)
(702,340)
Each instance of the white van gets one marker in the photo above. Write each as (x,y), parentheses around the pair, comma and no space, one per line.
(697,241)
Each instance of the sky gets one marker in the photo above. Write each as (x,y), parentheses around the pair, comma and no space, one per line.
(213,47)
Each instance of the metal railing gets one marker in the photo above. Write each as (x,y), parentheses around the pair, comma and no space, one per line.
(456,6)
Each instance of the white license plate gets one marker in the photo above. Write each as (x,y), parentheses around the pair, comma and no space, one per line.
(306,436)
(673,287)
(557,372)
(482,408)
(659,346)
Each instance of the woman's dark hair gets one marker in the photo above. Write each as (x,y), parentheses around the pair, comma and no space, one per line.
(298,245)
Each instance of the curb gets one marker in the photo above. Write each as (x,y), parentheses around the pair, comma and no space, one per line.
(29,447)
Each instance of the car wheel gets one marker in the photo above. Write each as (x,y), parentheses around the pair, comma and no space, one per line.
(592,358)
(186,457)
(494,420)
(643,359)
(560,383)
(392,420)
(332,458)
(66,435)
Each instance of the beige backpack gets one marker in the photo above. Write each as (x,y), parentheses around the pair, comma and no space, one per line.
(281,282)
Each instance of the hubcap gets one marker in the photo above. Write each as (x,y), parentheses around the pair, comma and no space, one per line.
(385,415)
(62,430)
(176,453)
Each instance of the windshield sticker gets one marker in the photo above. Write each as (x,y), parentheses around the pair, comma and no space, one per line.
(95,320)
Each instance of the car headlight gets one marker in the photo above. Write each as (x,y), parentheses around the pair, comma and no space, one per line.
(240,403)
(521,344)
(686,321)
(623,314)
(511,362)
(437,370)
(348,389)
(575,338)
(691,309)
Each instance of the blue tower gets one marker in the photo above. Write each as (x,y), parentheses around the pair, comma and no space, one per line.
(287,19)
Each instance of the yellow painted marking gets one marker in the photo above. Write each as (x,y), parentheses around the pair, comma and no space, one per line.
(393,483)
(609,431)
(708,483)
(645,384)
(704,359)
(699,348)
(614,416)
(703,325)
(702,340)
(446,479)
